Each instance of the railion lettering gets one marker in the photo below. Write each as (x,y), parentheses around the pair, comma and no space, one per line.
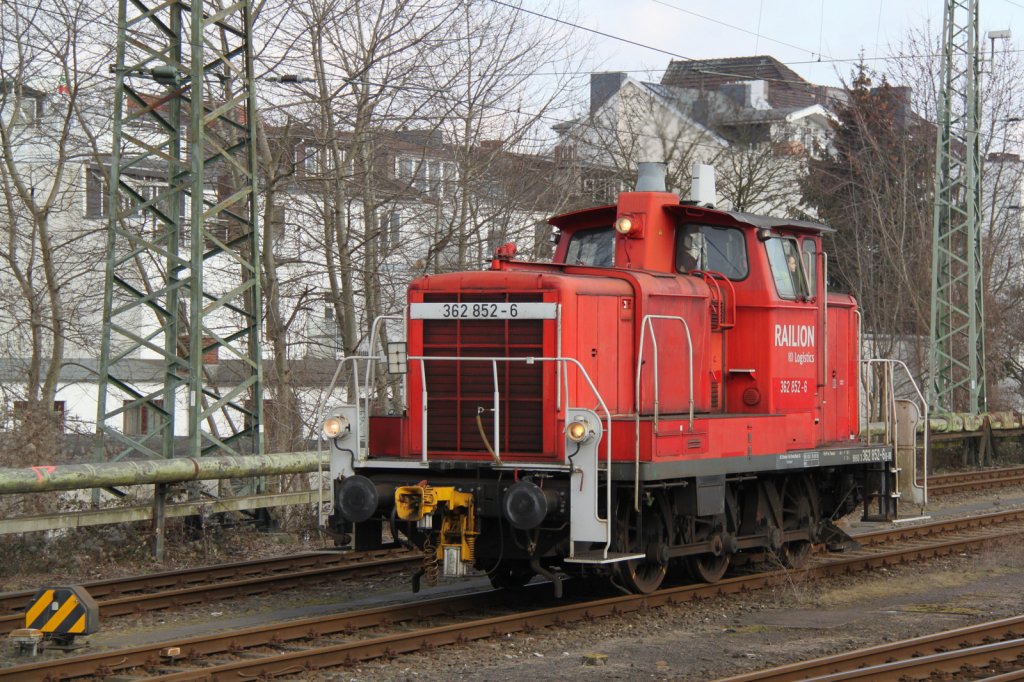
(794,335)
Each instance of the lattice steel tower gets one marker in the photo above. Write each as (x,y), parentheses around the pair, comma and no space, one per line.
(182,280)
(957,349)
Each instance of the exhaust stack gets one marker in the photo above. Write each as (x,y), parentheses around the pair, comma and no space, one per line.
(650,176)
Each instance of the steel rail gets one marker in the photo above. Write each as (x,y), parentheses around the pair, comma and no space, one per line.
(115,587)
(941,651)
(945,484)
(924,530)
(293,662)
(134,594)
(276,576)
(148,655)
(296,662)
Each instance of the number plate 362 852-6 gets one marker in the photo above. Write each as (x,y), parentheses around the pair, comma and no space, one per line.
(483,311)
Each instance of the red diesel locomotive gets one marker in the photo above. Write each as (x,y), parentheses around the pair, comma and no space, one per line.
(678,388)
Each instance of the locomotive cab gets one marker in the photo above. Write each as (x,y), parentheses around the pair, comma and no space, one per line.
(678,387)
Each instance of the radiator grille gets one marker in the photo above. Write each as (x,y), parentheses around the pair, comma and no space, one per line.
(457,390)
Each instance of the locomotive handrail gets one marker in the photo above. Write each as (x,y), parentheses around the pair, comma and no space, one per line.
(712,278)
(889,364)
(530,360)
(497,412)
(646,324)
(824,321)
(355,359)
(374,340)
(370,361)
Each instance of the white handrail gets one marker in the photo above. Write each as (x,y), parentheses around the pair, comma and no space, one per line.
(531,360)
(374,340)
(889,364)
(497,411)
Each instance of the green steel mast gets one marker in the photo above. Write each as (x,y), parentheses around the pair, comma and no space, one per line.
(957,348)
(182,285)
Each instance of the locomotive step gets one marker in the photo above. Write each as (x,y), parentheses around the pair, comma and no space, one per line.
(596,556)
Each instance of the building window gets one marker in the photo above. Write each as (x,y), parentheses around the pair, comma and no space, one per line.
(419,181)
(278,223)
(390,224)
(142,419)
(21,411)
(269,408)
(450,176)
(405,169)
(420,175)
(310,158)
(29,111)
(434,179)
(211,349)
(604,190)
(96,192)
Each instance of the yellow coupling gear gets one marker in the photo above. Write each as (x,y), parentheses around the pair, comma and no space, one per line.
(458,531)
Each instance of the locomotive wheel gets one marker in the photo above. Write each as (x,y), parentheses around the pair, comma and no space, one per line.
(799,511)
(510,574)
(641,576)
(708,568)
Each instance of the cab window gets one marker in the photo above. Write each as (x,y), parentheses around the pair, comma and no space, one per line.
(787,270)
(810,262)
(717,249)
(595,247)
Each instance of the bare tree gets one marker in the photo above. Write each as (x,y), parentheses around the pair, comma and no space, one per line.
(1003,180)
(639,124)
(759,172)
(491,111)
(874,186)
(404,124)
(51,61)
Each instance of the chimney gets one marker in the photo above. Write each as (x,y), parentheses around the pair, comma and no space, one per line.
(603,86)
(747,94)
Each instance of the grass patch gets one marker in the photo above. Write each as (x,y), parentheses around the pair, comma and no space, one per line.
(886,587)
(756,629)
(942,608)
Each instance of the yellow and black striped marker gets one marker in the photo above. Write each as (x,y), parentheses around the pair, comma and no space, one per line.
(63,611)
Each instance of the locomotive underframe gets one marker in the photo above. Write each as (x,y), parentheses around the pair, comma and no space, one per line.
(699,523)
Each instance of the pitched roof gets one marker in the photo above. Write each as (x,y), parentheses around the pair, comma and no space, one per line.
(786,89)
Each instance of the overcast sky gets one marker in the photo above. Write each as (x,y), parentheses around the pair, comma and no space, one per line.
(796,32)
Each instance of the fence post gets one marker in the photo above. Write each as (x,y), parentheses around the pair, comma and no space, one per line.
(159,519)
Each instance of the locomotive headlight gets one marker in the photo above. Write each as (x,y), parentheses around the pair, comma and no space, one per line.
(578,431)
(336,426)
(624,225)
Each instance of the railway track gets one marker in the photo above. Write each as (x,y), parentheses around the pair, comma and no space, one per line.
(296,646)
(990,648)
(966,481)
(132,595)
(157,591)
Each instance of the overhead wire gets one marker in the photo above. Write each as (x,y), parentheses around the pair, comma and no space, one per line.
(819,59)
(735,27)
(723,71)
(580,27)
